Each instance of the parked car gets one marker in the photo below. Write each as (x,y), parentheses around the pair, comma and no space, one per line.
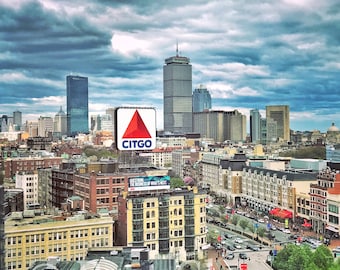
(231,248)
(237,245)
(336,249)
(270,235)
(230,256)
(293,237)
(238,240)
(253,247)
(219,246)
(229,236)
(287,231)
(243,256)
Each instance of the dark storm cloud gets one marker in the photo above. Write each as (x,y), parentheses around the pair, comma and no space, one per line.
(249,54)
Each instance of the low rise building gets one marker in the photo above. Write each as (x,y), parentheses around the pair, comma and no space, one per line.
(31,238)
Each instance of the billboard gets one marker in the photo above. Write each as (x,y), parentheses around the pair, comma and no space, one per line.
(148,183)
(135,128)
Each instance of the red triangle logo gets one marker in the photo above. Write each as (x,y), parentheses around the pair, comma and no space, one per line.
(136,128)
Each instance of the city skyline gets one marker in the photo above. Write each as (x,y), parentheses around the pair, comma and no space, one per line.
(248,55)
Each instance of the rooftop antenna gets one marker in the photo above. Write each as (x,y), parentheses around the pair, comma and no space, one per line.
(177,48)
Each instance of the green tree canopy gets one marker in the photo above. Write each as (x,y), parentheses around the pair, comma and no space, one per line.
(234,220)
(243,224)
(303,258)
(176,182)
(317,152)
(251,228)
(323,258)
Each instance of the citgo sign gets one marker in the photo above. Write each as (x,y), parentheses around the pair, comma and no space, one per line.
(135,128)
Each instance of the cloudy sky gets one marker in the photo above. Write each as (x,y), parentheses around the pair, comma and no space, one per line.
(249,54)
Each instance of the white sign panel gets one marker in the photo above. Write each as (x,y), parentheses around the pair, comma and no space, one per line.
(136,128)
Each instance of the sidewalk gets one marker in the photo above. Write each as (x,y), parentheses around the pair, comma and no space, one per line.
(215,260)
(335,242)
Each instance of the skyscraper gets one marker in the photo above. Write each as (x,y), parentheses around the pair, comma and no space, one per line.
(177,94)
(111,111)
(255,126)
(279,115)
(60,122)
(77,105)
(221,125)
(201,99)
(17,120)
(45,126)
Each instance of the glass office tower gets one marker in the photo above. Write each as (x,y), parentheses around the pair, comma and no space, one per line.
(77,105)
(177,95)
(201,99)
(255,126)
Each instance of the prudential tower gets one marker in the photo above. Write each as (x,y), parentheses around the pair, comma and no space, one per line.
(177,95)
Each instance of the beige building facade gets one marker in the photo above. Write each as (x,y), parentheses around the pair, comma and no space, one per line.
(31,238)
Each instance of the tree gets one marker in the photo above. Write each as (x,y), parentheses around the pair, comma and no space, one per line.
(303,258)
(323,257)
(234,220)
(317,152)
(212,236)
(251,228)
(243,224)
(176,182)
(260,232)
(336,265)
(289,257)
(221,209)
(224,218)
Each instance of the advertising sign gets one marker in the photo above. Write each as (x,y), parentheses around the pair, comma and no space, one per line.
(149,183)
(135,128)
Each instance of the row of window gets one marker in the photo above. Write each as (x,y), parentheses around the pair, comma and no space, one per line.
(57,235)
(140,205)
(107,191)
(29,263)
(107,181)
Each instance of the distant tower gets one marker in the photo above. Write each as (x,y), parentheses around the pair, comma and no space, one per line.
(278,115)
(111,111)
(177,94)
(45,126)
(60,122)
(201,99)
(255,126)
(77,105)
(17,120)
